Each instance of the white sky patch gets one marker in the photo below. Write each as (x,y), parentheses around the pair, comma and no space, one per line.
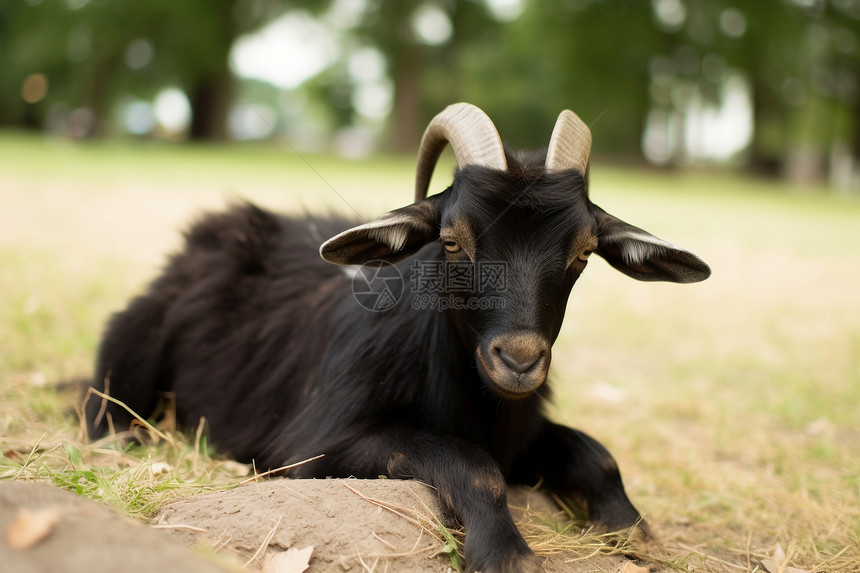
(172,110)
(374,93)
(345,14)
(138,117)
(287,52)
(252,121)
(505,10)
(670,14)
(720,132)
(366,64)
(702,131)
(432,25)
(374,100)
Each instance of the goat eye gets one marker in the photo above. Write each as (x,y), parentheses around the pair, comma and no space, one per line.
(584,256)
(451,246)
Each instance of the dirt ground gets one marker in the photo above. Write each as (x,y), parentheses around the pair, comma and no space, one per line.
(46,529)
(353,525)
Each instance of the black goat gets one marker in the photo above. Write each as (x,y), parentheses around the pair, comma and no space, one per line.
(250,329)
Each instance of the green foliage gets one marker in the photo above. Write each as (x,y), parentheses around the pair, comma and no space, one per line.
(452,548)
(613,61)
(83,49)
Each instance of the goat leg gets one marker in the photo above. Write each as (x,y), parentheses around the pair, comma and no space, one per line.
(572,463)
(469,483)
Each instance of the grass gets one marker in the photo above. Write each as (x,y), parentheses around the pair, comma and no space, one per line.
(732,406)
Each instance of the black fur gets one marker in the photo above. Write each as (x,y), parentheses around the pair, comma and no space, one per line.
(252,330)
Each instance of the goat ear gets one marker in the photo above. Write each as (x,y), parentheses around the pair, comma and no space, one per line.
(390,237)
(643,256)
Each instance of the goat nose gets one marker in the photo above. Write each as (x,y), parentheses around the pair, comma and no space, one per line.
(514,363)
(519,359)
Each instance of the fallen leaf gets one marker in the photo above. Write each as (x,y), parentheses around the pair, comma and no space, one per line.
(73,453)
(13,455)
(779,564)
(779,553)
(290,561)
(775,567)
(159,468)
(30,527)
(630,567)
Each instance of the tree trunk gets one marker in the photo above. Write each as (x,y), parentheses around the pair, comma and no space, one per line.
(407,100)
(763,161)
(210,98)
(855,136)
(211,92)
(99,97)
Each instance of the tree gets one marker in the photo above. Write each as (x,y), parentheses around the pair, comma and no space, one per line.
(86,51)
(592,57)
(416,61)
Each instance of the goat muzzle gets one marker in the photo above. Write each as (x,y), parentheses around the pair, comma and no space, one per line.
(514,364)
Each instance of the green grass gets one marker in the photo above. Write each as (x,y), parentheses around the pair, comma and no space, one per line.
(732,406)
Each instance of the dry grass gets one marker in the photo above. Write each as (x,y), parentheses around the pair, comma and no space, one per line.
(731,406)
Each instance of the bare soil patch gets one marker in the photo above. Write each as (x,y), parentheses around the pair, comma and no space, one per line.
(353,525)
(47,529)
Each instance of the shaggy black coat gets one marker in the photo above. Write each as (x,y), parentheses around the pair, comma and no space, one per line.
(250,329)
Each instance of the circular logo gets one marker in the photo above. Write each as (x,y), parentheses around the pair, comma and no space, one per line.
(377,285)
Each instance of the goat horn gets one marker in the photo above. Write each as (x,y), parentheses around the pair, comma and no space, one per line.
(472,136)
(569,145)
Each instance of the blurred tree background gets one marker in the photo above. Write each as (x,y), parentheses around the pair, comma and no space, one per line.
(770,86)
